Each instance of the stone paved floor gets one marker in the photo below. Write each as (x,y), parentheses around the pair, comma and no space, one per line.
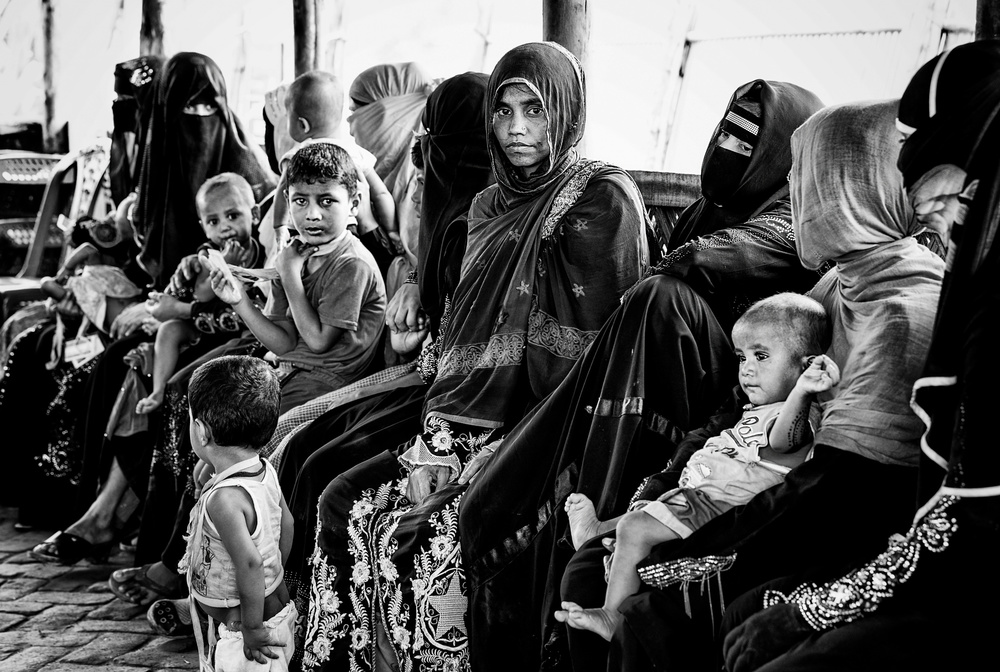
(65,619)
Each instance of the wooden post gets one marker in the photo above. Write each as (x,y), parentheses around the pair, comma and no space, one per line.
(987,19)
(333,21)
(304,25)
(568,23)
(151,29)
(49,131)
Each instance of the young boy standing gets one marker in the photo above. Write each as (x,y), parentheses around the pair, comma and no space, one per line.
(325,312)
(240,531)
(776,342)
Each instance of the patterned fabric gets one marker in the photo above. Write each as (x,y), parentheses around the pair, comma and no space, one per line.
(422,609)
(401,566)
(862,591)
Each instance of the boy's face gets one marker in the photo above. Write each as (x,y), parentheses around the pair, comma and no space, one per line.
(320,211)
(226,215)
(768,369)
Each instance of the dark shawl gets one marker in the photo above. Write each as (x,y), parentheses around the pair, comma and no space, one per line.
(456,168)
(131,110)
(783,108)
(182,151)
(957,397)
(537,281)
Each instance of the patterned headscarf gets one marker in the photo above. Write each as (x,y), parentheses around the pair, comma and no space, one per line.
(555,76)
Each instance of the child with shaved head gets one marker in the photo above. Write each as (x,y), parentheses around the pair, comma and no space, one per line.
(314,106)
(777,343)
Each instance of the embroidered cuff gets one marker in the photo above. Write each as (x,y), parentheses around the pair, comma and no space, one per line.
(419,455)
(411,278)
(862,592)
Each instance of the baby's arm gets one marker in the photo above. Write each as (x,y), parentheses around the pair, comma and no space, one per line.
(232,512)
(278,337)
(82,256)
(383,206)
(791,430)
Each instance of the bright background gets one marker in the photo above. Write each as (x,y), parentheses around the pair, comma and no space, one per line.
(659,71)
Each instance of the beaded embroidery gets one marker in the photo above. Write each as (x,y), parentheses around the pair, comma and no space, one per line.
(862,591)
(569,195)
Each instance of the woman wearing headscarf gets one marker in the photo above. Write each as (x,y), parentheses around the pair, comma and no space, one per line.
(48,452)
(385,408)
(849,208)
(387,102)
(192,136)
(907,607)
(660,366)
(550,249)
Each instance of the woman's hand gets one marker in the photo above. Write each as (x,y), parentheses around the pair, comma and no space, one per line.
(424,480)
(476,464)
(292,259)
(404,312)
(226,290)
(187,271)
(763,637)
(406,342)
(165,307)
(131,319)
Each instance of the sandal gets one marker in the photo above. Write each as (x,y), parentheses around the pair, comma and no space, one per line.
(121,578)
(68,549)
(167,618)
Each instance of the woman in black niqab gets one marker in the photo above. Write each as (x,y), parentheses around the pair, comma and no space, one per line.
(192,135)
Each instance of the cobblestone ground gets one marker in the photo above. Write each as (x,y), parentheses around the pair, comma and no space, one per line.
(65,619)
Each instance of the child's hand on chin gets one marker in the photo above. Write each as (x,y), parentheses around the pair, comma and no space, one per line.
(290,260)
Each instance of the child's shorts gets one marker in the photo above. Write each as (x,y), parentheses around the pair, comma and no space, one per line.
(229,649)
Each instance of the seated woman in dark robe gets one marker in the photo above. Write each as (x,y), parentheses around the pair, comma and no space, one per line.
(191,134)
(923,602)
(849,207)
(661,365)
(551,248)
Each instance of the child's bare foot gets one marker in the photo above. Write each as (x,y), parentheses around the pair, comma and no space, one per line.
(600,621)
(150,403)
(583,523)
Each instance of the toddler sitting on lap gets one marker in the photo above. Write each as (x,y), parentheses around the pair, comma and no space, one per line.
(773,342)
(228,214)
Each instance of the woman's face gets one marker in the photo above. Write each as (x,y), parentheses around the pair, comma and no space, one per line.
(200,109)
(520,126)
(733,144)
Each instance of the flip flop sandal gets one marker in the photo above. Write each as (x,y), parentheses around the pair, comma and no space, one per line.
(121,578)
(164,617)
(69,549)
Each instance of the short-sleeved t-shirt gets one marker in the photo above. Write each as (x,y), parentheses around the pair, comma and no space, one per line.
(347,292)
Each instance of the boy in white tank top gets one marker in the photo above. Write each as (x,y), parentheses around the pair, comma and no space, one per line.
(240,530)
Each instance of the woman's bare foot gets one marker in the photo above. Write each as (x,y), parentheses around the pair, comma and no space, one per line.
(583,523)
(150,403)
(600,621)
